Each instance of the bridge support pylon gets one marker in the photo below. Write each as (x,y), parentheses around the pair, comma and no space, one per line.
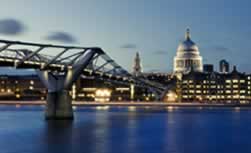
(59,106)
(59,101)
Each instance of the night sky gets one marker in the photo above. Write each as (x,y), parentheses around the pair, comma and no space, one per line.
(154,28)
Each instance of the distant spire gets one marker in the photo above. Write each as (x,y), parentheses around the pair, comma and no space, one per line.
(137,69)
(187,36)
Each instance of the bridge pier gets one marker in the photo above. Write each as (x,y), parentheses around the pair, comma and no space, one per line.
(59,106)
(59,101)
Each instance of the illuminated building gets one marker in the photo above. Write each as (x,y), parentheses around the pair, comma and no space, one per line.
(215,87)
(187,57)
(27,87)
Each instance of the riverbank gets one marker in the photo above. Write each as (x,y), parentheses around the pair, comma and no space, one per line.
(149,104)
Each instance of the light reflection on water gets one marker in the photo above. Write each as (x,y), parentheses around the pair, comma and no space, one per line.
(126,130)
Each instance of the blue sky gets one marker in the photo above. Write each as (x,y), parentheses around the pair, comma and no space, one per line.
(154,28)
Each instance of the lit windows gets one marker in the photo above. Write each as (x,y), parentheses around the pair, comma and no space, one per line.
(242,91)
(228,91)
(191,91)
(235,86)
(213,86)
(198,91)
(242,97)
(242,81)
(236,96)
(235,81)
(235,91)
(212,82)
(198,86)
(184,96)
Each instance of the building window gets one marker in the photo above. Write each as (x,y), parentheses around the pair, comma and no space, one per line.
(198,91)
(191,91)
(198,86)
(235,86)
(235,91)
(242,81)
(242,91)
(235,81)
(228,91)
(213,86)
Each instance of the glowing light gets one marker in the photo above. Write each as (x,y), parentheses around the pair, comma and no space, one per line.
(131,108)
(102,95)
(171,96)
(32,82)
(18,96)
(102,107)
(74,107)
(170,108)
(237,109)
(132,91)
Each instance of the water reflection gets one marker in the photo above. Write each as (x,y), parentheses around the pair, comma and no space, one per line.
(119,130)
(58,136)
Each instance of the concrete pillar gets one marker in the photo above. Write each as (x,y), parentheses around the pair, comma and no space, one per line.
(59,101)
(59,106)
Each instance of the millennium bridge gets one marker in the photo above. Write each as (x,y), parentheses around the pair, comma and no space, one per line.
(60,66)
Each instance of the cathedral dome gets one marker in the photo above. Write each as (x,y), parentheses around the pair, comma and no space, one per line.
(188,56)
(187,45)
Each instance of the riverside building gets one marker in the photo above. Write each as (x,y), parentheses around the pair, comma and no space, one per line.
(215,87)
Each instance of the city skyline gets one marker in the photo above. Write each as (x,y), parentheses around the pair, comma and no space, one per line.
(154,29)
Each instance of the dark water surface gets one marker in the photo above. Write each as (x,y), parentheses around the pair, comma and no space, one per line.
(127,130)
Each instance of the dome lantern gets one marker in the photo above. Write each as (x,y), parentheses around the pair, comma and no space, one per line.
(187,36)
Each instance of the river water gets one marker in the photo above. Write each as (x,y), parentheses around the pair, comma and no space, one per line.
(127,130)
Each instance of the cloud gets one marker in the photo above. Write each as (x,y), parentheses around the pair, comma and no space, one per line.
(221,48)
(160,52)
(217,48)
(61,37)
(129,46)
(11,27)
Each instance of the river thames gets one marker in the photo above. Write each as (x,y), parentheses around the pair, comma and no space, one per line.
(127,130)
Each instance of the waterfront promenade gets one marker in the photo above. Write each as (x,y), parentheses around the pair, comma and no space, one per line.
(139,104)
